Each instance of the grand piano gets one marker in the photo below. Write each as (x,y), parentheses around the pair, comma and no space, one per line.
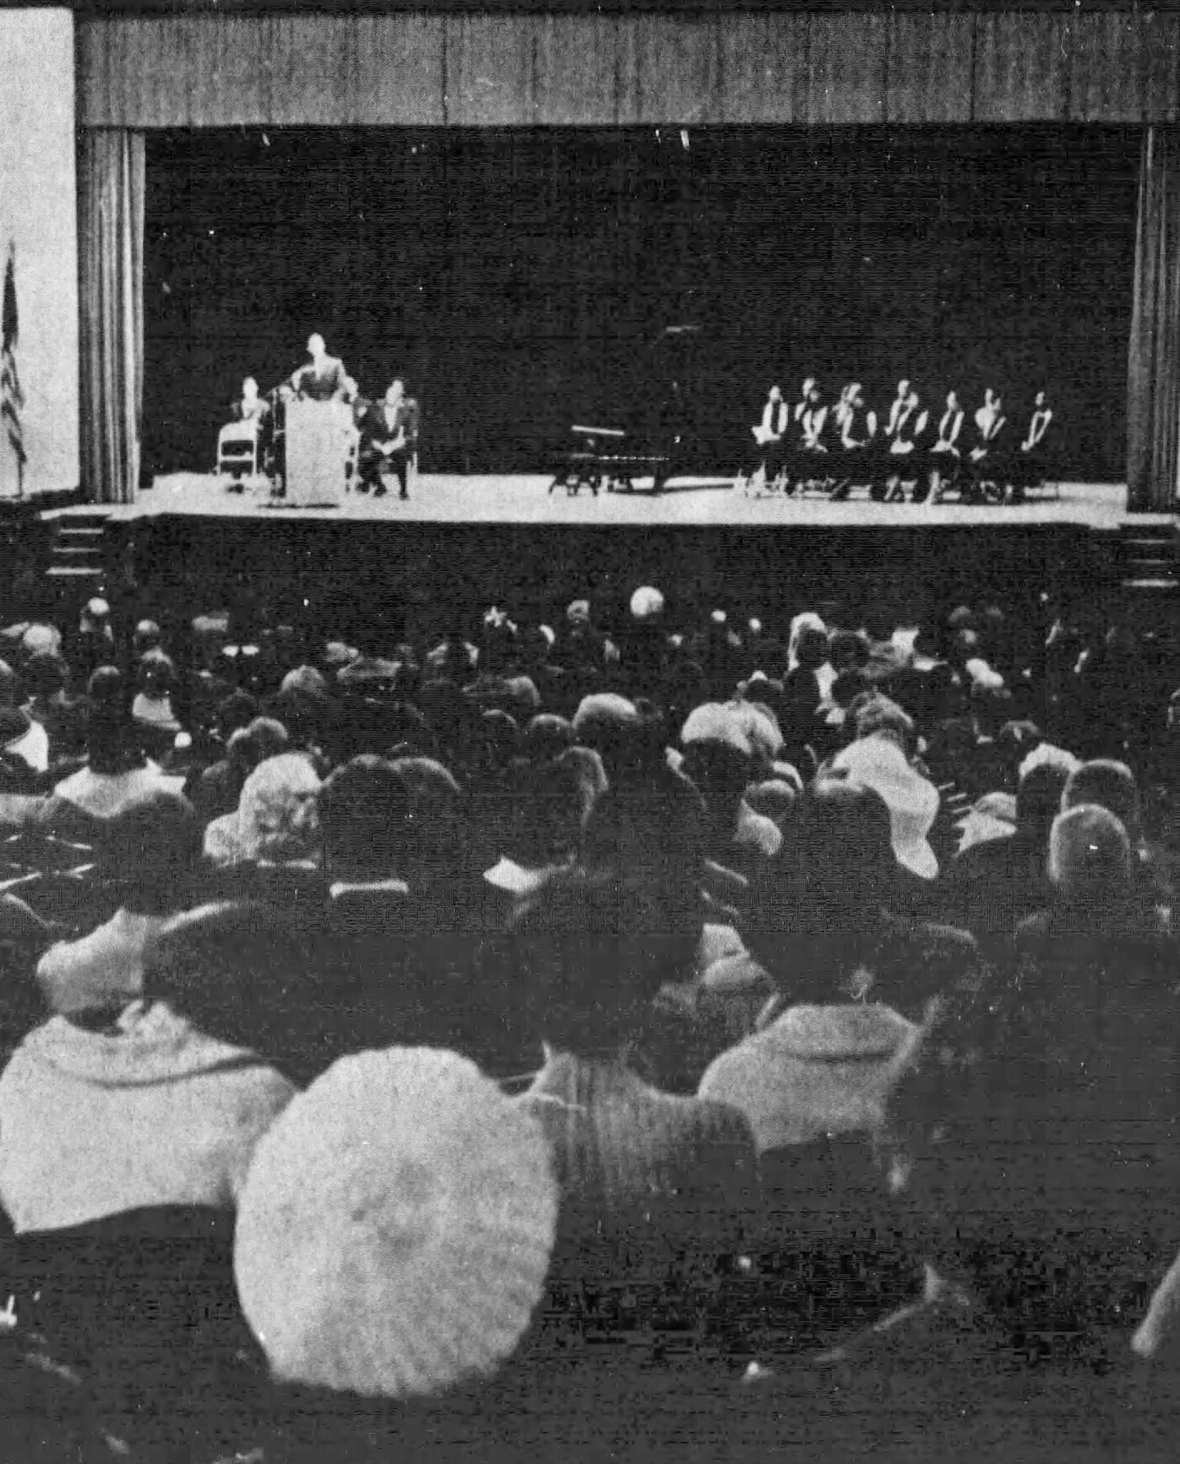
(653,441)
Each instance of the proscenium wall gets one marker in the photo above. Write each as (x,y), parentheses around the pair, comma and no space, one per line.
(38,216)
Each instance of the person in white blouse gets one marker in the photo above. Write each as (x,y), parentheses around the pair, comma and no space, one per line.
(1032,462)
(947,452)
(769,438)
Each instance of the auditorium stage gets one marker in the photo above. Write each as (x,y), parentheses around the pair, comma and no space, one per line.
(508,540)
(525,499)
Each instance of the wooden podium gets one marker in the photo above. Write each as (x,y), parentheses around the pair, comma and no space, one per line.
(317,447)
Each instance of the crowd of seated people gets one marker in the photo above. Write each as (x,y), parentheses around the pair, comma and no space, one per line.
(634,1028)
(907,453)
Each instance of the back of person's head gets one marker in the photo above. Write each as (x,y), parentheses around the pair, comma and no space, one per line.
(261,738)
(113,744)
(156,675)
(147,637)
(277,817)
(437,840)
(878,623)
(879,716)
(847,650)
(655,837)
(237,710)
(1110,785)
(150,852)
(847,686)
(498,737)
(1089,860)
(44,675)
(106,687)
(547,736)
(591,952)
(811,647)
(551,804)
(828,883)
(1038,798)
(775,799)
(609,724)
(844,839)
(364,807)
(721,771)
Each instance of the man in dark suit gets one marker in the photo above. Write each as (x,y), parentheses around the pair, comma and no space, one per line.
(389,438)
(323,378)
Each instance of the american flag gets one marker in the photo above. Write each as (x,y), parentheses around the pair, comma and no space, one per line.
(12,399)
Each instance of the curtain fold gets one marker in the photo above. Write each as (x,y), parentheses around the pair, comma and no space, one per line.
(1153,364)
(110,257)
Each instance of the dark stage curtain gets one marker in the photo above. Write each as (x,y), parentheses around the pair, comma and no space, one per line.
(110,247)
(403,68)
(519,277)
(1153,368)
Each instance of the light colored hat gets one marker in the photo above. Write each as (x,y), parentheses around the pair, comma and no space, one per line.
(304,678)
(39,639)
(740,725)
(577,610)
(647,603)
(395,1229)
(878,763)
(604,711)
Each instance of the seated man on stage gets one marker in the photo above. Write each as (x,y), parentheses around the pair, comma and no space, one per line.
(946,454)
(250,407)
(767,463)
(389,438)
(324,378)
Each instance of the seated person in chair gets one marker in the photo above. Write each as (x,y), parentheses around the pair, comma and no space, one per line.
(1032,465)
(770,448)
(389,439)
(323,378)
(250,407)
(946,454)
(986,458)
(858,429)
(903,455)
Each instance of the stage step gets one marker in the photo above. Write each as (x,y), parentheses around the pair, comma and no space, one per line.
(77,555)
(1149,560)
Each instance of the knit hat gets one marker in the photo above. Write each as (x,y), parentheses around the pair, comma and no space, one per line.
(395,1229)
(878,763)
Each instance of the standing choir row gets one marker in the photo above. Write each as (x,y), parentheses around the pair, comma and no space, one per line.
(836,448)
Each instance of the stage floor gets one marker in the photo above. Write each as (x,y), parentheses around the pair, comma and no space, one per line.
(525,499)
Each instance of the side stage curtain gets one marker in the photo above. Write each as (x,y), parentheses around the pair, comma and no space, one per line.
(110,240)
(1153,368)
